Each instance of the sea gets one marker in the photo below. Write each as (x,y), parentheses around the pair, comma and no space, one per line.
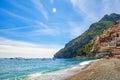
(21,68)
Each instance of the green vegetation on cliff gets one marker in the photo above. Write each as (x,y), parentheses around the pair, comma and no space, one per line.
(81,45)
(85,50)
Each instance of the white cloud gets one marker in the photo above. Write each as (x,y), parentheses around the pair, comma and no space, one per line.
(13,48)
(92,11)
(38,5)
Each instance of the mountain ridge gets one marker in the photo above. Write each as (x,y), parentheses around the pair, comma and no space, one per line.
(72,48)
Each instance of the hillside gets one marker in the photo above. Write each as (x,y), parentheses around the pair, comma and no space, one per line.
(73,47)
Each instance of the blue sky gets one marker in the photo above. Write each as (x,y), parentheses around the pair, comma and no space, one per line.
(31,28)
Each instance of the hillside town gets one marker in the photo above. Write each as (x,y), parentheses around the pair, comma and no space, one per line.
(108,44)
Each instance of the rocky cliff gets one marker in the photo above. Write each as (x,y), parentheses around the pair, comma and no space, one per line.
(75,46)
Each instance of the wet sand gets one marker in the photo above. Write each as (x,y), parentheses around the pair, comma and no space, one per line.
(104,69)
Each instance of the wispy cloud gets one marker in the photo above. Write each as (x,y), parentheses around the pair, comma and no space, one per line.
(29,20)
(5,41)
(109,6)
(39,6)
(14,15)
(23,8)
(46,29)
(13,48)
(36,30)
(86,9)
(19,5)
(93,10)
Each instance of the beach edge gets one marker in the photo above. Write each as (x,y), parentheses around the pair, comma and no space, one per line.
(103,69)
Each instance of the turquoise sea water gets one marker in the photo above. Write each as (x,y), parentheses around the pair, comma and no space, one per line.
(11,69)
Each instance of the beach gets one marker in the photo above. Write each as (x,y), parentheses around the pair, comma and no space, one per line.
(104,69)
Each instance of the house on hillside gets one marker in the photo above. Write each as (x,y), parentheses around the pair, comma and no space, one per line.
(110,41)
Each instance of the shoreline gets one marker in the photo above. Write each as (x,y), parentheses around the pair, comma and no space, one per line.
(60,74)
(103,69)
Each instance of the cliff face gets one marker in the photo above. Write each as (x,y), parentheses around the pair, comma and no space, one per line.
(73,48)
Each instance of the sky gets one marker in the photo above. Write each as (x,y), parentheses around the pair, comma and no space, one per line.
(39,28)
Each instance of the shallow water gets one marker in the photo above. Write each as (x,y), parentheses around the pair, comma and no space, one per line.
(18,68)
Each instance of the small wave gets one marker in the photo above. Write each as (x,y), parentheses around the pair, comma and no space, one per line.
(35,75)
(85,63)
(59,74)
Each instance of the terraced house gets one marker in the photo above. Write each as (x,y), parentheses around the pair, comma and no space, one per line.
(109,42)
